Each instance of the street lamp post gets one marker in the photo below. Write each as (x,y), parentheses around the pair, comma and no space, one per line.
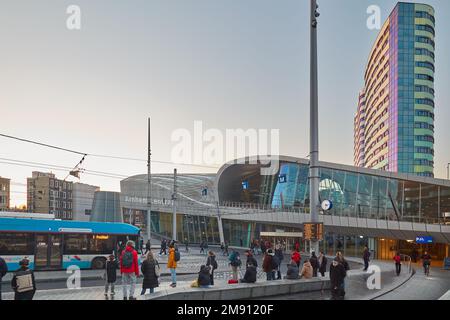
(149,187)
(314,125)
(448,171)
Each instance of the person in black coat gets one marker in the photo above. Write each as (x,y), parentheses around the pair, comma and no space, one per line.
(212,264)
(322,264)
(279,254)
(150,271)
(250,260)
(110,275)
(250,275)
(314,263)
(3,271)
(337,276)
(204,279)
(23,282)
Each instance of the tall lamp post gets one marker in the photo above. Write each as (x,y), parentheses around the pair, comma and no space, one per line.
(314,126)
(448,171)
(149,187)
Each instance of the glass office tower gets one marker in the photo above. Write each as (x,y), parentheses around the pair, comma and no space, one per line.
(394,123)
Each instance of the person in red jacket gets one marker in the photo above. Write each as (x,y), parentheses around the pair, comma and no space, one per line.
(398,263)
(129,268)
(296,257)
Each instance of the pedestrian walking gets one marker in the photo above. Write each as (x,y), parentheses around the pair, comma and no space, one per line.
(141,245)
(268,265)
(202,247)
(23,282)
(186,243)
(151,272)
(212,264)
(235,263)
(337,276)
(366,258)
(222,248)
(174,257)
(3,271)
(307,270)
(398,263)
(226,248)
(241,242)
(163,247)
(323,261)
(314,263)
(148,247)
(426,258)
(111,266)
(129,268)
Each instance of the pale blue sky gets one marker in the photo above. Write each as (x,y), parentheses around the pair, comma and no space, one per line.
(231,64)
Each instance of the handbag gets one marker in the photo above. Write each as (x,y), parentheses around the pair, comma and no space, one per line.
(157,269)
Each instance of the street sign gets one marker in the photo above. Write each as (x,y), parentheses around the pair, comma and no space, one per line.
(313,231)
(282,178)
(424,240)
(245,185)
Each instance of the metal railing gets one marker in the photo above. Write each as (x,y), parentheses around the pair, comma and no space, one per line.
(408,260)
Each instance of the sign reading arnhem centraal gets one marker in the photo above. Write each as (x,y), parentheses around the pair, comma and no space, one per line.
(143,200)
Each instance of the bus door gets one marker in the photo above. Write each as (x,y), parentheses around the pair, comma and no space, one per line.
(48,252)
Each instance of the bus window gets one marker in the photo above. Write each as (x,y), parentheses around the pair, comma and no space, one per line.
(101,244)
(75,244)
(16,244)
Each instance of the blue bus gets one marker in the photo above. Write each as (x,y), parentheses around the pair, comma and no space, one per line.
(57,244)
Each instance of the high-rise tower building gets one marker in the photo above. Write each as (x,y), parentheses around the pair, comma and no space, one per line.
(394,123)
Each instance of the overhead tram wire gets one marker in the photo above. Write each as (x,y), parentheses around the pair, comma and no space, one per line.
(101,155)
(89,172)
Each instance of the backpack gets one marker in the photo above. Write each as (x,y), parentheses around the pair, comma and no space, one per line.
(236,260)
(127,259)
(24,281)
(177,256)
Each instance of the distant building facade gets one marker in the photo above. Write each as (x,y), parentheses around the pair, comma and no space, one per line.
(47,194)
(83,199)
(4,194)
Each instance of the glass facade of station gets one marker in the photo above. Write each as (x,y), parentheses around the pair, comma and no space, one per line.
(353,194)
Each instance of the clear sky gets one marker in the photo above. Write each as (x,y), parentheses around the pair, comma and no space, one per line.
(231,64)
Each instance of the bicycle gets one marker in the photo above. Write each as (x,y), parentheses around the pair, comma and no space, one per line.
(427,269)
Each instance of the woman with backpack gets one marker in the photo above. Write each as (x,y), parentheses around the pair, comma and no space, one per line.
(235,262)
(172,264)
(23,282)
(212,264)
(150,270)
